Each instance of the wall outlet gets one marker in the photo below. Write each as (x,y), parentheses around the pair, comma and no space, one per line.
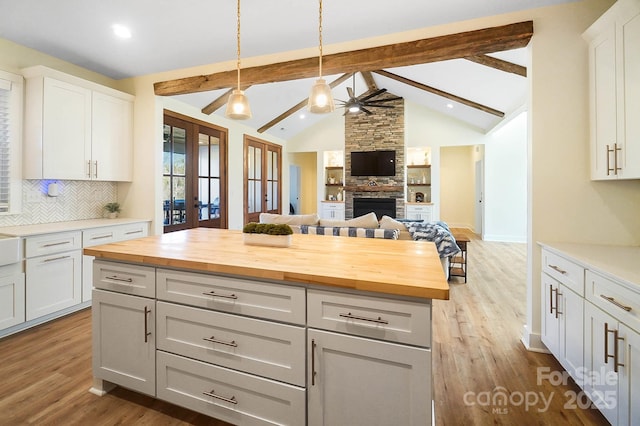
(34,196)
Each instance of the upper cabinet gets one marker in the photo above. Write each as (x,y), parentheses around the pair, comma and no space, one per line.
(614,85)
(76,129)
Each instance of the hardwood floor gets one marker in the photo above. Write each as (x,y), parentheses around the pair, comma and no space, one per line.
(45,372)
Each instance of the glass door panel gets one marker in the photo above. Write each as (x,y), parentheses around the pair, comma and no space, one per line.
(262,178)
(174,176)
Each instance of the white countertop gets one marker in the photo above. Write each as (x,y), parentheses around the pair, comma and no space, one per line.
(75,225)
(621,263)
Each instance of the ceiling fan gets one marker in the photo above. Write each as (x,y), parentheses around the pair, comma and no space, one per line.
(356,104)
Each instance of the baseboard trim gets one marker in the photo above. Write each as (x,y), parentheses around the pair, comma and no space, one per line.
(533,341)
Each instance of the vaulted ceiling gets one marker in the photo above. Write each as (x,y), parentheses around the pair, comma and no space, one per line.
(170,35)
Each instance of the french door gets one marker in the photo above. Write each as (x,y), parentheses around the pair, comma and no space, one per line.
(262,178)
(194,173)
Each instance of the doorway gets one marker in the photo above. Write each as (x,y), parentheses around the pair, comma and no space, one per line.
(262,178)
(194,175)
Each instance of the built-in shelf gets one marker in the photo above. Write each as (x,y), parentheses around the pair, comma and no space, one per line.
(418,184)
(418,166)
(375,188)
(333,184)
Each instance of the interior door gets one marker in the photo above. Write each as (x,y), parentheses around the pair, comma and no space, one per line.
(194,174)
(262,178)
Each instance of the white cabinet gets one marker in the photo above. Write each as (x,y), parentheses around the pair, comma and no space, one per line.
(123,329)
(563,308)
(53,273)
(75,129)
(357,381)
(11,299)
(333,211)
(419,211)
(614,81)
(360,369)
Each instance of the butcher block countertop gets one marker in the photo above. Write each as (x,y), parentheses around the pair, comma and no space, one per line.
(396,267)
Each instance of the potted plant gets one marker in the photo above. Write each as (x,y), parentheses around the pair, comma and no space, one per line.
(112,210)
(267,234)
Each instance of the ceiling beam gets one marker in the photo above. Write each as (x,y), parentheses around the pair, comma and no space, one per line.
(452,46)
(499,64)
(442,93)
(371,83)
(300,105)
(217,103)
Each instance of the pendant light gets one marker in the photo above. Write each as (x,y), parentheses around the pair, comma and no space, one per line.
(321,99)
(238,104)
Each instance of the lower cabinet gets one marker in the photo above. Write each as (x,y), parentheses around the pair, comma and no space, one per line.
(333,211)
(358,381)
(124,340)
(11,300)
(562,324)
(54,282)
(419,212)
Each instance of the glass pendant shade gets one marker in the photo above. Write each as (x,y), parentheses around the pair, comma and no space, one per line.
(238,106)
(321,99)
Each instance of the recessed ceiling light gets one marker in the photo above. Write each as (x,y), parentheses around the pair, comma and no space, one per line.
(450,106)
(302,116)
(121,31)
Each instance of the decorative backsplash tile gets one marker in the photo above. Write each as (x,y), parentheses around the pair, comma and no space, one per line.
(77,200)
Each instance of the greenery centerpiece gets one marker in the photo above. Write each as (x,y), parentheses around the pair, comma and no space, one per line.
(112,209)
(267,234)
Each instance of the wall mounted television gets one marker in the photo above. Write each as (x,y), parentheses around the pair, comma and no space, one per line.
(373,163)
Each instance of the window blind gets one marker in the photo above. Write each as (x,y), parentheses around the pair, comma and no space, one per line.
(5,148)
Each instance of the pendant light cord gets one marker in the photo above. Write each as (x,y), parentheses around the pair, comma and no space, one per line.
(238,43)
(320,36)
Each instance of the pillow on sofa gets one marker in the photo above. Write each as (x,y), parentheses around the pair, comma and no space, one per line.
(390,223)
(369,220)
(289,219)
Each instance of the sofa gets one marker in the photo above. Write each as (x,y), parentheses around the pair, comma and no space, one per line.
(368,226)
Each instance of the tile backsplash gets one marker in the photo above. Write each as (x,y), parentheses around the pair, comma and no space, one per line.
(77,200)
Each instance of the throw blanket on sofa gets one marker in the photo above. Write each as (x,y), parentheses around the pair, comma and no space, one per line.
(349,231)
(436,232)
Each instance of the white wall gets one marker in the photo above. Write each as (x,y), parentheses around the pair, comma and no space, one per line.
(505,176)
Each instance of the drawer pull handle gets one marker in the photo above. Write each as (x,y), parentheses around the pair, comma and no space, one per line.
(222,342)
(378,320)
(147,333)
(117,278)
(139,231)
(226,296)
(56,244)
(557,269)
(102,236)
(53,259)
(212,394)
(615,302)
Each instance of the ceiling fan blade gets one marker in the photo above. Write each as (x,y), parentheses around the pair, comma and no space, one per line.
(366,111)
(350,92)
(386,99)
(378,106)
(373,95)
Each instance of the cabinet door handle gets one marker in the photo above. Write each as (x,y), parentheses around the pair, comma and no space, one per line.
(615,302)
(147,333)
(96,170)
(117,278)
(615,158)
(557,269)
(222,342)
(89,169)
(557,290)
(313,362)
(225,296)
(212,394)
(378,320)
(616,352)
(53,259)
(550,298)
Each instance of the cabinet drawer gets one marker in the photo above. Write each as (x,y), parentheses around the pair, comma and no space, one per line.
(228,395)
(418,209)
(123,278)
(615,299)
(564,271)
(333,206)
(378,318)
(42,245)
(97,236)
(234,295)
(132,231)
(260,347)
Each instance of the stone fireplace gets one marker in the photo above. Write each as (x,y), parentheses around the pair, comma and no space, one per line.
(382,130)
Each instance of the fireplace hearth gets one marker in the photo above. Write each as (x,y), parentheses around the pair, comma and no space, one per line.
(380,206)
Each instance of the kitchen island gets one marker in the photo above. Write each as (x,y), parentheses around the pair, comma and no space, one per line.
(326,331)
